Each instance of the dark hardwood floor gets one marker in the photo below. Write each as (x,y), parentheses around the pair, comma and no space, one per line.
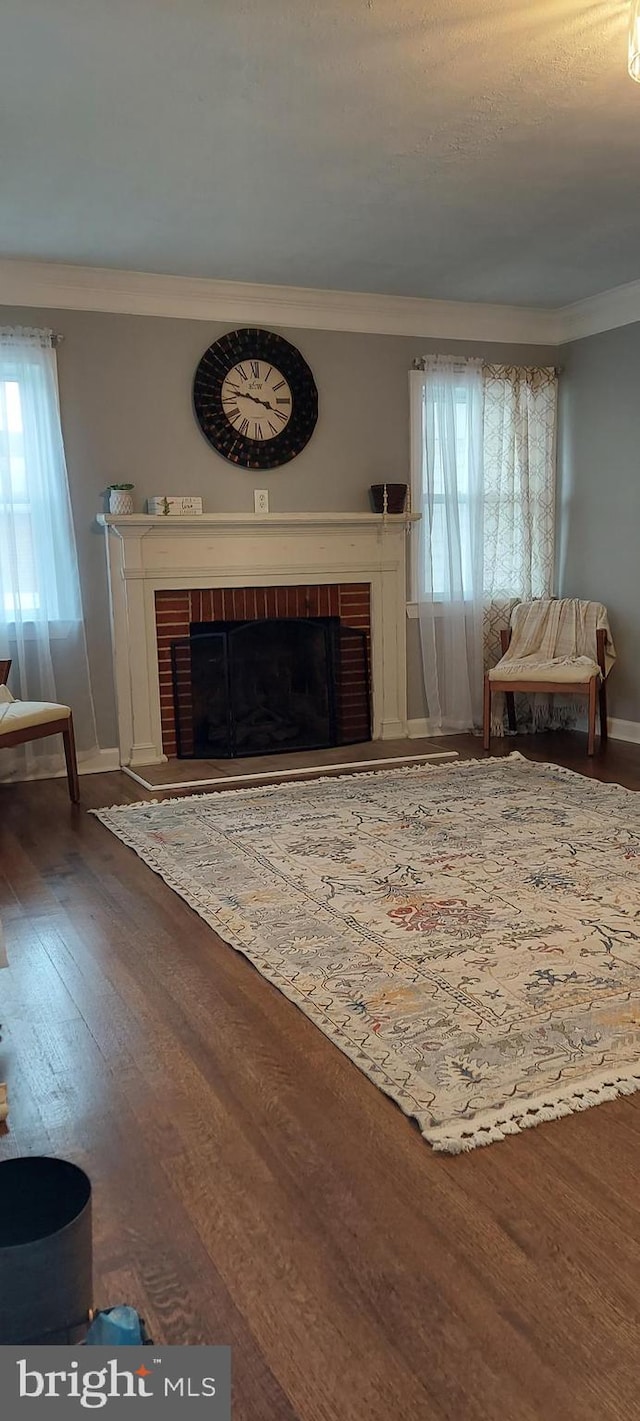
(252,1187)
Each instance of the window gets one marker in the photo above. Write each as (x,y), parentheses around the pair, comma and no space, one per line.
(483,444)
(38,565)
(41,624)
(17,553)
(450,431)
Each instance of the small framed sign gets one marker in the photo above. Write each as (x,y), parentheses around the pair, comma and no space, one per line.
(166,504)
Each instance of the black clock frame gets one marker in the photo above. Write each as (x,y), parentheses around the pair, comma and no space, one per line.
(232,349)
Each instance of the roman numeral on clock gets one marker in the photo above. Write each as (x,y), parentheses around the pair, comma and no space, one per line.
(255,368)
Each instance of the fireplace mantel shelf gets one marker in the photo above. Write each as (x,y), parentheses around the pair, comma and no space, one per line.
(207,522)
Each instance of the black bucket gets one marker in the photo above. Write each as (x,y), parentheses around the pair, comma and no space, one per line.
(45,1251)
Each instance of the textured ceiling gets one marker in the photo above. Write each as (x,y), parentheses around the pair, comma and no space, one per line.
(467,149)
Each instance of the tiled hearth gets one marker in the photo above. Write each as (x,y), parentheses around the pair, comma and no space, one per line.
(165,573)
(177,608)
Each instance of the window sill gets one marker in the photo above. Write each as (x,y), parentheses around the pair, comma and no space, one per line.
(56,629)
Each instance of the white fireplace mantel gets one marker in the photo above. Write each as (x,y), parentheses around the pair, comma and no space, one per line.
(148,553)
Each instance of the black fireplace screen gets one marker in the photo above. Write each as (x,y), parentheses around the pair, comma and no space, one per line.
(259,687)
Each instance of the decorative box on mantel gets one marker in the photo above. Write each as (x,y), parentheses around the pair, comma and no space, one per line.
(169,505)
(147,554)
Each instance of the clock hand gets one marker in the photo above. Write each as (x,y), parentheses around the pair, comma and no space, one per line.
(244,395)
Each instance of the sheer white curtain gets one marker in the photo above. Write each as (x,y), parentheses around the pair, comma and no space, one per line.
(483,478)
(447,407)
(41,623)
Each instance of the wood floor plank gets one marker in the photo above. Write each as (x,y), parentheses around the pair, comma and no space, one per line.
(252,1187)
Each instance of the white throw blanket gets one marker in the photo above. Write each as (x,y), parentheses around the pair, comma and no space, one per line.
(554,639)
(548,635)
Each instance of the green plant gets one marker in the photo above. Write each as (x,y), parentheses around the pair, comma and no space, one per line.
(121,487)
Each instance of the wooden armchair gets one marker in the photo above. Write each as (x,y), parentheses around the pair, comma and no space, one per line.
(21,721)
(595,687)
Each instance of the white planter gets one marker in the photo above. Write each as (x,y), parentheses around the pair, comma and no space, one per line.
(120,502)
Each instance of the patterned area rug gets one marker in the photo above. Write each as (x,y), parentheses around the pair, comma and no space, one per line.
(469,935)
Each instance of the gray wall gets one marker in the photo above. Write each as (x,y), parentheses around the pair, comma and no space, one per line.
(125,390)
(599,495)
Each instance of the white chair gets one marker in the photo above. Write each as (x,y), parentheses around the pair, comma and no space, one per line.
(567,677)
(21,721)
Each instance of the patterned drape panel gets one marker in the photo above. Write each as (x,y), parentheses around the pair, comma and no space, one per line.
(519,436)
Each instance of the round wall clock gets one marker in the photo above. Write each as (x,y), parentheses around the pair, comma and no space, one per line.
(255,398)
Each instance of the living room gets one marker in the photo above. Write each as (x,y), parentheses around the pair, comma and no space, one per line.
(319,698)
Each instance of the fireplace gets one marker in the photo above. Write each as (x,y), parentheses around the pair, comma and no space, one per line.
(341,616)
(272,685)
(259,687)
(166,573)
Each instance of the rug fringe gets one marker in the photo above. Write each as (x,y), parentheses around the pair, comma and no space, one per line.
(530,1115)
(451,762)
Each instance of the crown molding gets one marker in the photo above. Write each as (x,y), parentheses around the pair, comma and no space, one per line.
(605,312)
(55,286)
(76,288)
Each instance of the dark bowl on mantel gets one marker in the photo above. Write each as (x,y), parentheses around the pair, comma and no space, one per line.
(396,497)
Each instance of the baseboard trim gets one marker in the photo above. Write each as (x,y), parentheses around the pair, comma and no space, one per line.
(624,730)
(97,762)
(422,729)
(629,730)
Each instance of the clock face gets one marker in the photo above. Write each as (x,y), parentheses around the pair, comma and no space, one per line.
(255,398)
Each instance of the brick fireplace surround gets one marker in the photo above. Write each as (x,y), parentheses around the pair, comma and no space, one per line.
(164,573)
(176,608)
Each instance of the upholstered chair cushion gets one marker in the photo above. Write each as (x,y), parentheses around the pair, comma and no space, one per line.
(20,715)
(562,671)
